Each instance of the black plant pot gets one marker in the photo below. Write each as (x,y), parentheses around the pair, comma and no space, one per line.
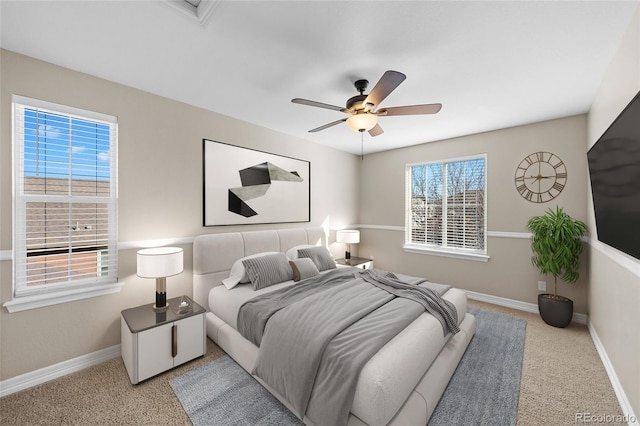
(555,310)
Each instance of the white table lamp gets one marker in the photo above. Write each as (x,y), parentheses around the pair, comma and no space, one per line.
(348,237)
(160,263)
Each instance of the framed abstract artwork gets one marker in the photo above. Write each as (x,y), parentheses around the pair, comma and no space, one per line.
(243,186)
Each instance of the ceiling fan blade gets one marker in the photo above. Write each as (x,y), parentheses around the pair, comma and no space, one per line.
(326,126)
(317,104)
(410,110)
(387,84)
(376,130)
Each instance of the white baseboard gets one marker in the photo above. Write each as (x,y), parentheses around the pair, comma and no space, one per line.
(627,409)
(625,405)
(516,304)
(33,378)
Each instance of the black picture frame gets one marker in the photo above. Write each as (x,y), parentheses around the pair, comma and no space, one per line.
(244,186)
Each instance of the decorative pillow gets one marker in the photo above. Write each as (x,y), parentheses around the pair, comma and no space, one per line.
(238,274)
(303,268)
(320,256)
(292,253)
(268,270)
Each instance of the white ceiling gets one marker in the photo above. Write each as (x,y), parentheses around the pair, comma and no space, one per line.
(491,64)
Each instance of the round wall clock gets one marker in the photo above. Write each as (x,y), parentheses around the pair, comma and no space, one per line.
(540,177)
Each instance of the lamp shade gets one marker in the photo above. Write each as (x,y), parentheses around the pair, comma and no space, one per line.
(361,122)
(348,236)
(160,262)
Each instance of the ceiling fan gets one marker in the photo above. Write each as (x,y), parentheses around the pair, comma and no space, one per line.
(362,108)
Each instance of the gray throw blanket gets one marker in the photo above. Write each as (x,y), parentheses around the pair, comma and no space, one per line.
(441,309)
(255,313)
(315,337)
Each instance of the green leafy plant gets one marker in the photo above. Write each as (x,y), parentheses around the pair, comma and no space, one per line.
(556,244)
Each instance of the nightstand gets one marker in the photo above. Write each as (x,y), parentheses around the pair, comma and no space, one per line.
(358,262)
(154,342)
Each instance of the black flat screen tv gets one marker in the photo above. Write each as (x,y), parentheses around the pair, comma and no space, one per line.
(614,169)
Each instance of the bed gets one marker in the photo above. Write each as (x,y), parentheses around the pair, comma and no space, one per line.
(400,384)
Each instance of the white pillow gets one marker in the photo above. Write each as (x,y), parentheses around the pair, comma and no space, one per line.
(238,273)
(292,253)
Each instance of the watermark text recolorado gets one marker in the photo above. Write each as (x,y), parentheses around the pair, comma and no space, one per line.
(605,418)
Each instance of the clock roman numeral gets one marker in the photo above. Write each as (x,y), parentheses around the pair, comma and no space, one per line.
(540,156)
(558,186)
(525,192)
(561,175)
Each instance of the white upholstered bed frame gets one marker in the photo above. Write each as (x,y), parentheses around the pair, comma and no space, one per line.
(213,256)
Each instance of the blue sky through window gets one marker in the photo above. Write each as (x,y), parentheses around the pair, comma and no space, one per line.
(58,146)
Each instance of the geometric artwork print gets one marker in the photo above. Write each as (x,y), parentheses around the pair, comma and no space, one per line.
(244,186)
(256,181)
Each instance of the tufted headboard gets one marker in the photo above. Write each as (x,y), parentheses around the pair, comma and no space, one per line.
(214,254)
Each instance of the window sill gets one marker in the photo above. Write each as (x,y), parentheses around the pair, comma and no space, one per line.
(439,251)
(24,303)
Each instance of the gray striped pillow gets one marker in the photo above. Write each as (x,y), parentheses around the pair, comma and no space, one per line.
(320,256)
(268,270)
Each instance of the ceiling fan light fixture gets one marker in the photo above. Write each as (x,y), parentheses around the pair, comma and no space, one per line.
(360,108)
(362,122)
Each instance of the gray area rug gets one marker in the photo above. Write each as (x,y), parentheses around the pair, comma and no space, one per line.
(485,387)
(222,393)
(483,390)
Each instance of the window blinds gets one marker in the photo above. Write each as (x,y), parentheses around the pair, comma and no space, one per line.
(446,204)
(65,197)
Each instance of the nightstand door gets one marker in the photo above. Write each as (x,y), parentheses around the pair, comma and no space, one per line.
(190,338)
(154,351)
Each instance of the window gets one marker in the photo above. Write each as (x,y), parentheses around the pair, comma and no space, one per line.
(445,210)
(65,200)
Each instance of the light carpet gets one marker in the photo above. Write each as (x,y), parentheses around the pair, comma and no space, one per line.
(483,390)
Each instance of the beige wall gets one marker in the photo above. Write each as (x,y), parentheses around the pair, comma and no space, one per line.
(509,272)
(160,196)
(614,285)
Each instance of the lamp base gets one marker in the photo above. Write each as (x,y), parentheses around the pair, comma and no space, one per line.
(161,302)
(347,255)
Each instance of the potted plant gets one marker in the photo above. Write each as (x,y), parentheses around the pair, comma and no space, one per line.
(556,244)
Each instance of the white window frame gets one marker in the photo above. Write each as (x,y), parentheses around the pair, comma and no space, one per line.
(443,250)
(25,297)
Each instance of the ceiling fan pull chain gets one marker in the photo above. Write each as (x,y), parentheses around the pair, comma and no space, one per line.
(361,145)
